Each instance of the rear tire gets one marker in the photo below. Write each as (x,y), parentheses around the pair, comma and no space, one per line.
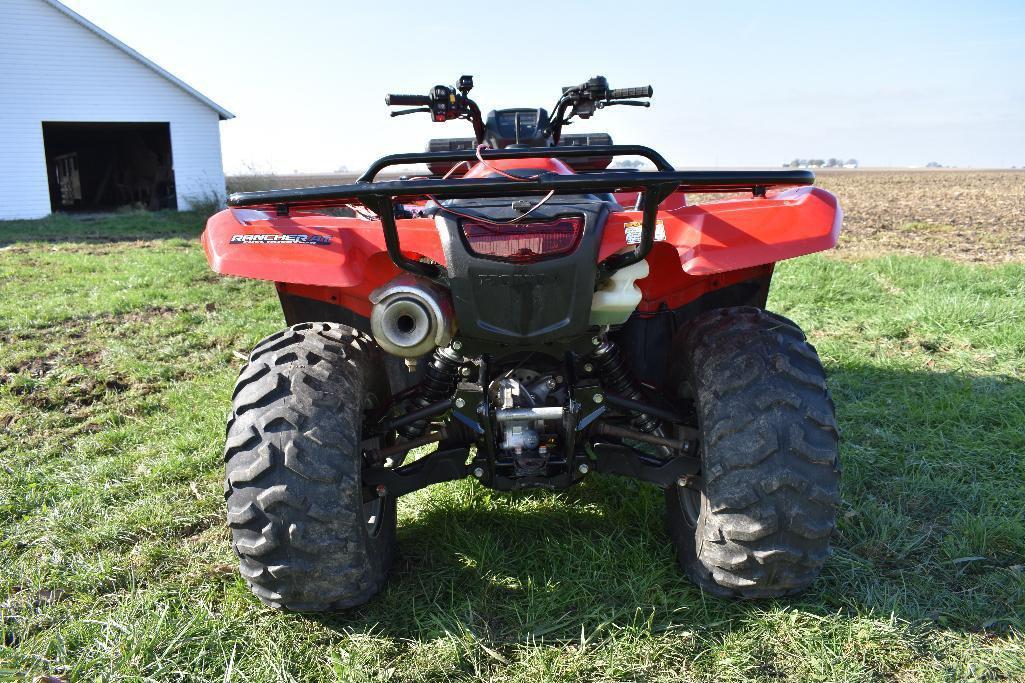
(770,465)
(306,538)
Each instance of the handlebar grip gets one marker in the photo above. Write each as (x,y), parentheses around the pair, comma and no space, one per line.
(407,100)
(630,93)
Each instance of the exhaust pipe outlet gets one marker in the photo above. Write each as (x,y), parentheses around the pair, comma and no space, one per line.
(411,316)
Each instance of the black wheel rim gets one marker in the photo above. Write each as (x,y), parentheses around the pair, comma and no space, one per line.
(374,508)
(373,512)
(690,505)
(690,498)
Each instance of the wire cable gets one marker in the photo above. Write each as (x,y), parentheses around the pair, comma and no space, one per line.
(479,153)
(480,157)
(489,221)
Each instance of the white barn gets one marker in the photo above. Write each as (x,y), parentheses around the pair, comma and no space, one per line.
(89,124)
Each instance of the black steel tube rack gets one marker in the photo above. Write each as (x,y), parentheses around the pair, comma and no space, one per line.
(655,186)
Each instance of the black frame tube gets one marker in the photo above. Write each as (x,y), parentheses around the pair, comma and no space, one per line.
(630,404)
(583,183)
(454,188)
(606,429)
(407,446)
(653,196)
(386,212)
(532,153)
(429,410)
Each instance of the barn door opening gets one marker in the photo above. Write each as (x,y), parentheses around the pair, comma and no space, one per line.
(105,166)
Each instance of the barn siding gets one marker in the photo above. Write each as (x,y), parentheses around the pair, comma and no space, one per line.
(54,69)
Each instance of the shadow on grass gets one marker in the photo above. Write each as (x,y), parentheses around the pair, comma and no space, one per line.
(131,226)
(930,531)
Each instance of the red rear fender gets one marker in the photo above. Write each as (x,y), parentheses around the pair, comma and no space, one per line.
(741,233)
(310,249)
(699,248)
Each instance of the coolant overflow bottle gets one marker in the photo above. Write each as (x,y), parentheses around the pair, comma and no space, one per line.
(618,296)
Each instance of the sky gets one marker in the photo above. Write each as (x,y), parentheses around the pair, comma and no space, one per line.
(736,83)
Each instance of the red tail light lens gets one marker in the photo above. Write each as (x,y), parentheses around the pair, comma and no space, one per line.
(523,242)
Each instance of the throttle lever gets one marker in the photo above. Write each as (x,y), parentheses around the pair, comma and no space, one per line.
(403,112)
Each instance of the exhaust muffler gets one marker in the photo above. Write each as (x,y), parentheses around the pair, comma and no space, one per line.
(411,316)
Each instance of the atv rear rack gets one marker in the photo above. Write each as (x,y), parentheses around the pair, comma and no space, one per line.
(655,187)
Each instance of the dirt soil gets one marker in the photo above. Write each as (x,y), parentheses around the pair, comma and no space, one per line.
(976,216)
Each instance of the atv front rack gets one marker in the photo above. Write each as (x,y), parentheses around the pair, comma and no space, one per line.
(655,186)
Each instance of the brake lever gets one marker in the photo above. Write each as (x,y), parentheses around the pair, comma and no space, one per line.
(630,103)
(403,112)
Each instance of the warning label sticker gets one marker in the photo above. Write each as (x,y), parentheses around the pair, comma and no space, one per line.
(633,232)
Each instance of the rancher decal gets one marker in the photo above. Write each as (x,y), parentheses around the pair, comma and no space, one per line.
(280,239)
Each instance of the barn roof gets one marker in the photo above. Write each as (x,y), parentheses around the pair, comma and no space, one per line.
(221,111)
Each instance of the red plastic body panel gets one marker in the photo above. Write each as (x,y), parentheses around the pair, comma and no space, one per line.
(739,233)
(547,165)
(342,262)
(706,246)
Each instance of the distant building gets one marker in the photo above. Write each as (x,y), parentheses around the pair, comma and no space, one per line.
(87,123)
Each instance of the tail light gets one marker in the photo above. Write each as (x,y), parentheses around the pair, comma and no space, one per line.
(523,242)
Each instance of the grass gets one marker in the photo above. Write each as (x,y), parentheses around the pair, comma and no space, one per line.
(118,350)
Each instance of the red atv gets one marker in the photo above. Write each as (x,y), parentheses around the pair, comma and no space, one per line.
(536,316)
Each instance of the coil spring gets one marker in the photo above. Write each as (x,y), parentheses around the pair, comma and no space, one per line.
(439,382)
(616,377)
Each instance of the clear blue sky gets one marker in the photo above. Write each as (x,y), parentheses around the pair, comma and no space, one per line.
(736,83)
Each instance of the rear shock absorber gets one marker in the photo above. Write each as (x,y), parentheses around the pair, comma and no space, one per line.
(616,378)
(439,382)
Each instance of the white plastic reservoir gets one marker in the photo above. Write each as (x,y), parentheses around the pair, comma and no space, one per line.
(618,296)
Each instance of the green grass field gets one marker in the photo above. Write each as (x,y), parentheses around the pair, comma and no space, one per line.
(118,351)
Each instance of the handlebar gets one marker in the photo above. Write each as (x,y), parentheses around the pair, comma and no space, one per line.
(581,101)
(630,93)
(407,100)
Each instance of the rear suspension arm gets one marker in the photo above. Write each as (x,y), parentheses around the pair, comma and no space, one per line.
(446,465)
